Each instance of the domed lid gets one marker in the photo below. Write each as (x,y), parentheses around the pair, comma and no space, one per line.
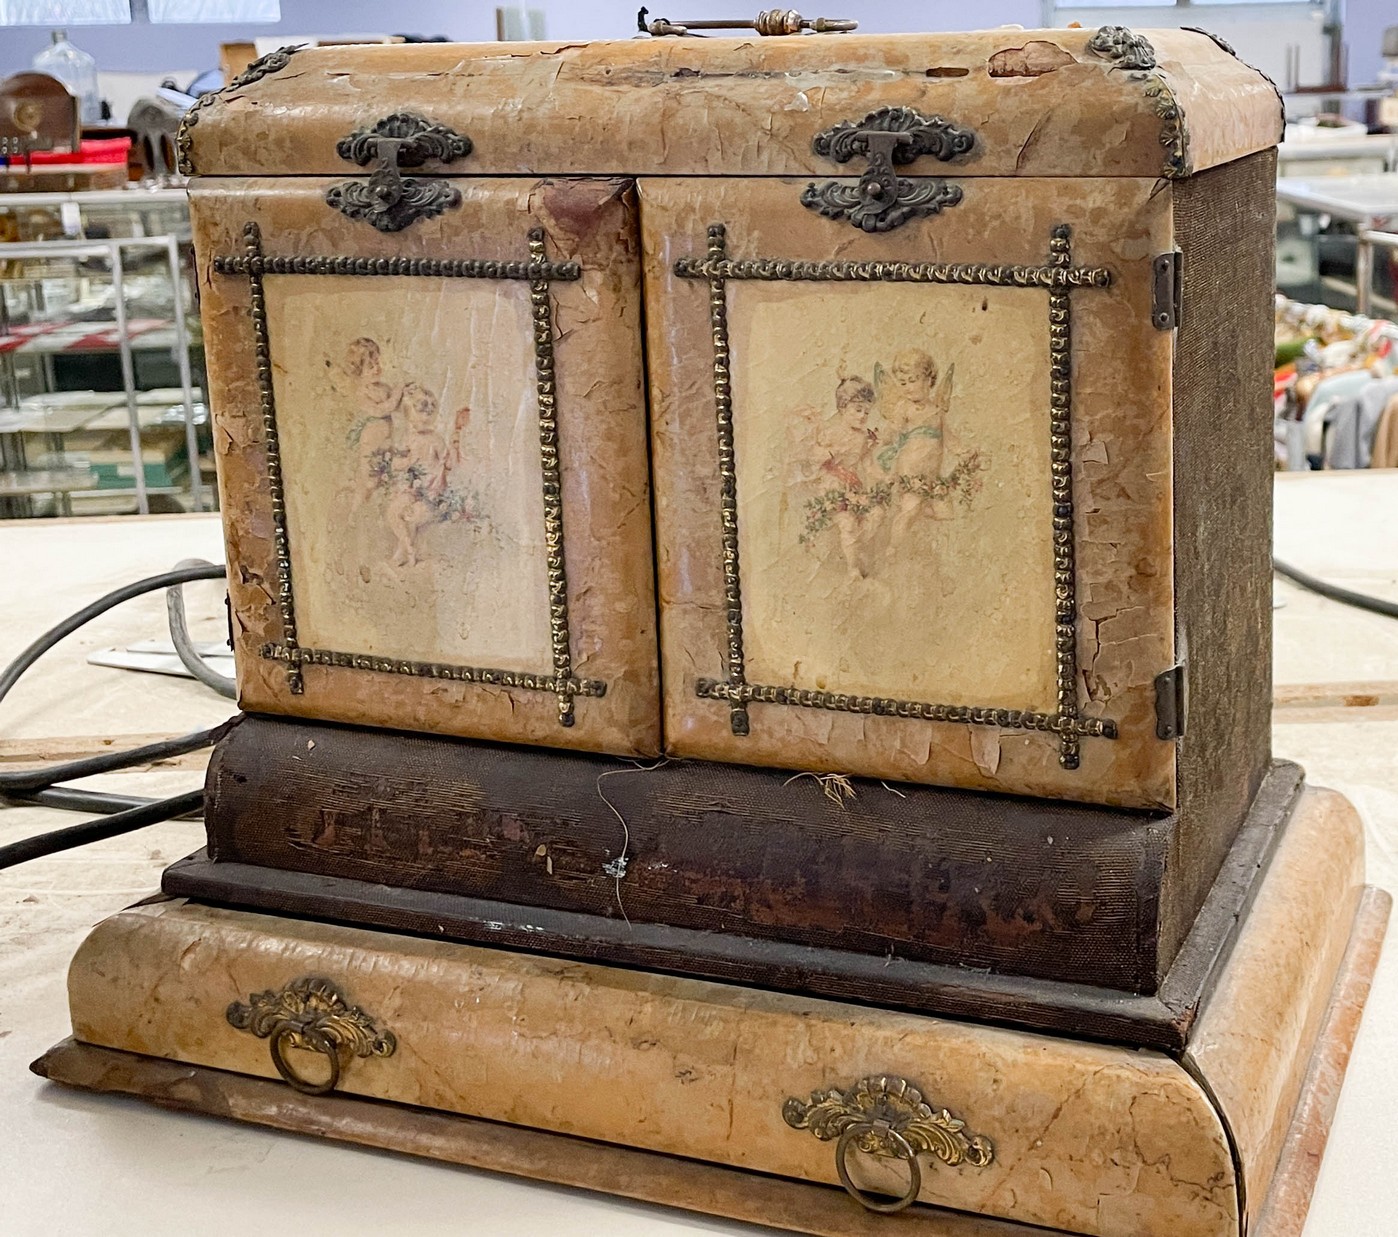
(1039,103)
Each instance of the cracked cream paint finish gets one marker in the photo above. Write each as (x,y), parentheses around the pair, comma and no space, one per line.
(479,595)
(965,610)
(1088,1139)
(1041,102)
(1253,1041)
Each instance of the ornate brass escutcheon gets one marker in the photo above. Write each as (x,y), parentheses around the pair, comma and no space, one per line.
(883,200)
(311,1014)
(886,1116)
(389,200)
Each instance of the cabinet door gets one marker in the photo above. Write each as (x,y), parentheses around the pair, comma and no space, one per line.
(432,459)
(913,488)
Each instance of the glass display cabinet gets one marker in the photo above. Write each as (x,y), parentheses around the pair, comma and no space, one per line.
(101,364)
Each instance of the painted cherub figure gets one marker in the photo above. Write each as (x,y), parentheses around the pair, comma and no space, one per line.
(422,461)
(848,441)
(914,403)
(376,400)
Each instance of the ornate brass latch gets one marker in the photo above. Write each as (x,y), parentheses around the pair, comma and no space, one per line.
(388,200)
(311,1014)
(883,200)
(886,1116)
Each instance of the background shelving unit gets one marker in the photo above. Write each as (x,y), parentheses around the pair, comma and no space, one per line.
(101,368)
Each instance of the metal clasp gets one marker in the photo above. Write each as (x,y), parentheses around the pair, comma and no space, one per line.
(388,200)
(883,200)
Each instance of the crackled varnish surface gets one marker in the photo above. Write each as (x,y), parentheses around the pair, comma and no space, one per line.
(1093,1139)
(1088,1139)
(1044,102)
(460,530)
(893,447)
(915,487)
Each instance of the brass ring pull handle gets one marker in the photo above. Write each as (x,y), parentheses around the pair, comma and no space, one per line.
(289,1036)
(883,200)
(902,1149)
(886,1116)
(311,1014)
(388,200)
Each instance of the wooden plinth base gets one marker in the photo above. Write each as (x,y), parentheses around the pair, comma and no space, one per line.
(689,1184)
(729,1099)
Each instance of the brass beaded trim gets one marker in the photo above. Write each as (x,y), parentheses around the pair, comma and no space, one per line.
(885,706)
(541,304)
(539,272)
(728,475)
(717,268)
(1061,466)
(1058,278)
(435,670)
(252,257)
(467,268)
(272,62)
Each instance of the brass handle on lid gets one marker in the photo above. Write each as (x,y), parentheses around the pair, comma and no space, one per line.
(768,22)
(311,1014)
(388,200)
(886,1117)
(883,200)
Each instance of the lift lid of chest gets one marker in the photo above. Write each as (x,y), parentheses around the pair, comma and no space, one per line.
(990,103)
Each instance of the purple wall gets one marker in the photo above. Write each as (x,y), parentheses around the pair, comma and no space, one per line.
(154,49)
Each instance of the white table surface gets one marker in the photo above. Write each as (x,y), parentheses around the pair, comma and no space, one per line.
(1367,199)
(78,1164)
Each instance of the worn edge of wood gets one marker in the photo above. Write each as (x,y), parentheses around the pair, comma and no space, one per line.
(1284,1209)
(1161,1021)
(1210,940)
(517,1151)
(1101,1014)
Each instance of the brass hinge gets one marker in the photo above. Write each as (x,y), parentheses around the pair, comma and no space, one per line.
(1165,290)
(1171,702)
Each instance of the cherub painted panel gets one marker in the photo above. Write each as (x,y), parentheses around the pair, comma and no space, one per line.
(414,507)
(913,488)
(871,480)
(432,459)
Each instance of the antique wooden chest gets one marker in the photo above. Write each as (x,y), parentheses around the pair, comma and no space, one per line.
(954,380)
(822,414)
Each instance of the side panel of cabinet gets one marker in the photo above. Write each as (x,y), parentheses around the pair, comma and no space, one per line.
(913,489)
(432,459)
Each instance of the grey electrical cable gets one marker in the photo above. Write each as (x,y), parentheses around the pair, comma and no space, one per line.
(184,647)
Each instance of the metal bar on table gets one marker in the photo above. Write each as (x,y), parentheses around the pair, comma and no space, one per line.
(1364,265)
(1363,274)
(97,197)
(128,377)
(80,249)
(191,437)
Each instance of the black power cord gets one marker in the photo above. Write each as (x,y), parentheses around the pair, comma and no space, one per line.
(122,813)
(100,829)
(1363,601)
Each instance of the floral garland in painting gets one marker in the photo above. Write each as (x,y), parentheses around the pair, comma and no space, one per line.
(963,482)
